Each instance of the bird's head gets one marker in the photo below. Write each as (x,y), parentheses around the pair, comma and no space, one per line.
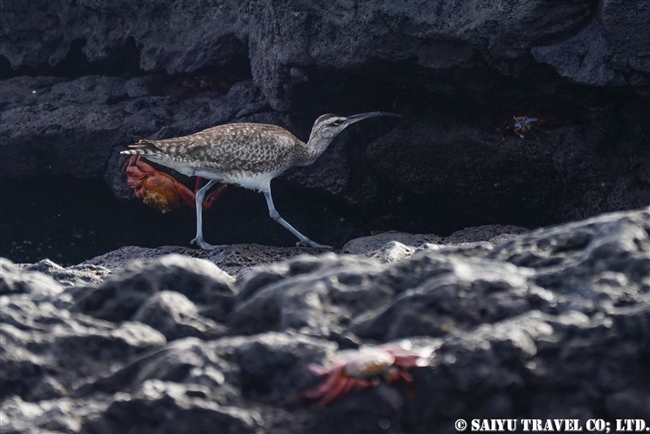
(328,126)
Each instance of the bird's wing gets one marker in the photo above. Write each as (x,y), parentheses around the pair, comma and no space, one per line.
(244,146)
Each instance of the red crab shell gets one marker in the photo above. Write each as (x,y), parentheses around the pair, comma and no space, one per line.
(362,369)
(160,190)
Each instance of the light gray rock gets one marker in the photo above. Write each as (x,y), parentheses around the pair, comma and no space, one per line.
(122,294)
(175,316)
(548,324)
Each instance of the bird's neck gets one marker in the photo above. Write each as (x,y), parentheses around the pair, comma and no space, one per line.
(313,149)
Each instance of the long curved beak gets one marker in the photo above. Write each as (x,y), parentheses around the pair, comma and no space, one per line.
(356,118)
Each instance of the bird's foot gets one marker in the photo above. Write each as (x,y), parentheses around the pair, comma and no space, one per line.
(309,243)
(199,241)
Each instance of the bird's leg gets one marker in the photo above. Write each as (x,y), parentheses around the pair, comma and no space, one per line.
(199,217)
(275,215)
(212,197)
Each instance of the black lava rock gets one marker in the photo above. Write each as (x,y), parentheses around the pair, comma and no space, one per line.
(546,324)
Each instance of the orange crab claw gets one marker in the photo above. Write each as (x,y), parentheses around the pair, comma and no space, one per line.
(337,385)
(212,197)
(160,190)
(397,375)
(342,386)
(327,385)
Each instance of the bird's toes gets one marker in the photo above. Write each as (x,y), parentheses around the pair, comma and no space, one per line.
(310,243)
(205,246)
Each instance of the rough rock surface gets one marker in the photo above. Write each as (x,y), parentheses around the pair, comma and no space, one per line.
(551,323)
(84,79)
(232,259)
(394,246)
(340,35)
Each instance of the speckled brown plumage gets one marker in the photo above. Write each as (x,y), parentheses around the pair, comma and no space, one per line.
(245,154)
(247,147)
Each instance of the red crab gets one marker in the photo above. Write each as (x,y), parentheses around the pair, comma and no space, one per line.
(364,368)
(160,190)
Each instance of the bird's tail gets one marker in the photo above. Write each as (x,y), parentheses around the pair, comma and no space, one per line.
(143,147)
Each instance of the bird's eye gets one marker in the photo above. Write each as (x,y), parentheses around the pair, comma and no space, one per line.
(337,122)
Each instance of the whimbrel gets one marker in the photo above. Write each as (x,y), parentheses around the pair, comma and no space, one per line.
(246,154)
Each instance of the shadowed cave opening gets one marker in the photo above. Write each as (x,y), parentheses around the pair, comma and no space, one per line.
(72,220)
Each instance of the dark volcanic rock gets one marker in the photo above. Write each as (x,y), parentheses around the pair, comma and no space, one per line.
(70,276)
(549,323)
(546,324)
(557,167)
(45,120)
(151,407)
(175,316)
(453,295)
(12,281)
(46,349)
(43,130)
(232,259)
(315,297)
(129,292)
(84,80)
(438,34)
(580,58)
